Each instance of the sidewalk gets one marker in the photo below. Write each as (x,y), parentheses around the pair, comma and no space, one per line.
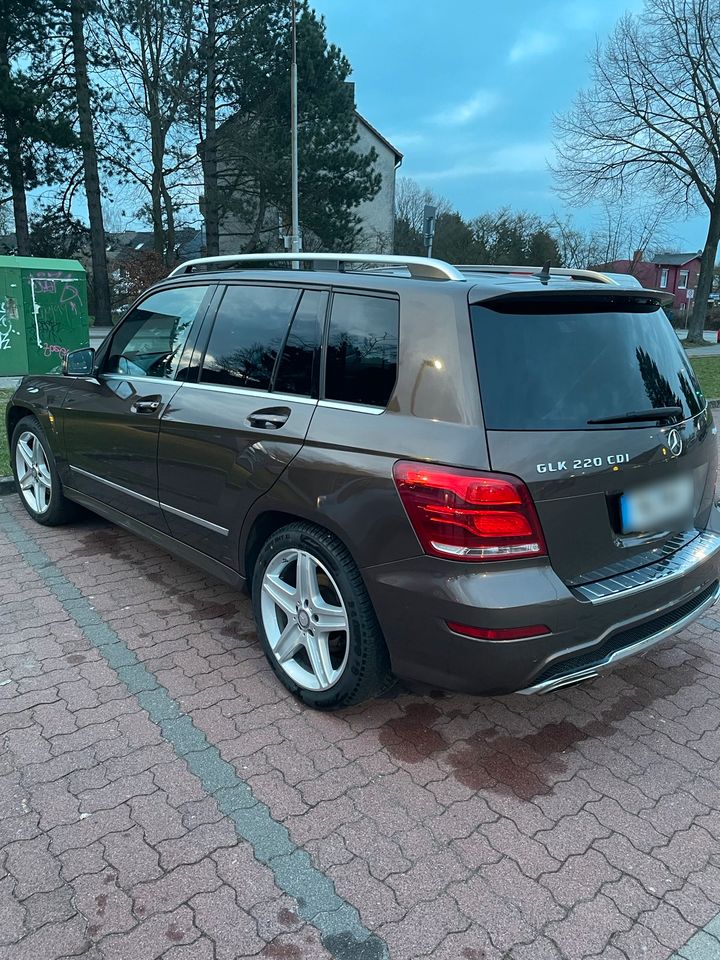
(162,795)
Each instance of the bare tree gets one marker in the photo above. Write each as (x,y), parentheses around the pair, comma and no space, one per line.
(147,45)
(649,121)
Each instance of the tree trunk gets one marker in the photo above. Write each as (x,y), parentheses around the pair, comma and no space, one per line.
(209,150)
(156,190)
(13,145)
(101,284)
(705,280)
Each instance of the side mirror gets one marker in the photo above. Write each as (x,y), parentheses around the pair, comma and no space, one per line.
(79,363)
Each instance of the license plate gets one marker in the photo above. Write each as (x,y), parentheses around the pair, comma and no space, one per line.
(658,505)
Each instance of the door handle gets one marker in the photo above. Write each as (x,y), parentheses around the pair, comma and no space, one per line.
(145,406)
(271,418)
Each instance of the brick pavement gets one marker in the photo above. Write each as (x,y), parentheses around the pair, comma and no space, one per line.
(161,795)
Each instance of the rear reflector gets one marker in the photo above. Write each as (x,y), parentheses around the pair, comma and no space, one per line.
(507,633)
(467,515)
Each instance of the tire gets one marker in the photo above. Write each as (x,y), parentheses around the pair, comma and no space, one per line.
(300,616)
(43,498)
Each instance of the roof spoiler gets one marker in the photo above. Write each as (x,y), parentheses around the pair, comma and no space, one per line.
(636,297)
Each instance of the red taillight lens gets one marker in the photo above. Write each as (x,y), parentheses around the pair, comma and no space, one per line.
(461,515)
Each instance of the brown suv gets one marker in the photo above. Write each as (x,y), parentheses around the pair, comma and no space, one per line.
(488,479)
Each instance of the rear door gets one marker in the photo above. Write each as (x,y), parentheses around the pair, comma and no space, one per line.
(610,496)
(111,422)
(225,439)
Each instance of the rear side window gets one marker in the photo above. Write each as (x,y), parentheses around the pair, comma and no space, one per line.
(301,353)
(246,337)
(362,349)
(556,371)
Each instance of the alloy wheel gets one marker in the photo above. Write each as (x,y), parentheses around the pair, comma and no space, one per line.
(305,620)
(33,472)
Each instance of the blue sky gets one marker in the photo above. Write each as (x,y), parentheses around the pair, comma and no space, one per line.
(467,90)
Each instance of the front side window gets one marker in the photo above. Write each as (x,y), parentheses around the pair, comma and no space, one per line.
(663,279)
(362,349)
(246,337)
(683,280)
(150,340)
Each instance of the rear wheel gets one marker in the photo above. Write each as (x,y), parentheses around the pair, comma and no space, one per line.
(36,475)
(315,620)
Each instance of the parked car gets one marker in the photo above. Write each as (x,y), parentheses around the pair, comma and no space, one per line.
(485,480)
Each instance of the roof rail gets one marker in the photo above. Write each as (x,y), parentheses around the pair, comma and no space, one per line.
(591,275)
(423,267)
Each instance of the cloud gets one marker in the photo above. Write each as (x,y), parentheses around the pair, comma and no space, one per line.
(406,140)
(458,114)
(531,157)
(533,43)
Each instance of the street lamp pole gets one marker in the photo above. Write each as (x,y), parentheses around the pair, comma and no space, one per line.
(295,238)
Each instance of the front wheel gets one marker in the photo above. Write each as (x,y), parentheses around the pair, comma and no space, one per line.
(315,619)
(36,475)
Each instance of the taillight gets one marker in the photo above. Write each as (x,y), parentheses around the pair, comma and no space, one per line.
(463,515)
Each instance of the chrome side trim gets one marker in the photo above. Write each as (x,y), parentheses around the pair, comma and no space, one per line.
(130,377)
(216,528)
(115,486)
(352,407)
(593,670)
(668,568)
(244,392)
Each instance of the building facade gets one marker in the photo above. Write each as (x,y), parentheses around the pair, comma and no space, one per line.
(677,273)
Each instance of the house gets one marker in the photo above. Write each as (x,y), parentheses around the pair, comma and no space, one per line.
(377,215)
(675,272)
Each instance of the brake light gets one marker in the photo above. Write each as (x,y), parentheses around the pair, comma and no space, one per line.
(465,515)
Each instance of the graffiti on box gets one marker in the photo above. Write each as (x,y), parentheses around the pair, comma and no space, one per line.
(56,301)
(8,313)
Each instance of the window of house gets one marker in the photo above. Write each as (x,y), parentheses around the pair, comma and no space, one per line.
(150,340)
(683,279)
(362,349)
(246,337)
(664,278)
(301,353)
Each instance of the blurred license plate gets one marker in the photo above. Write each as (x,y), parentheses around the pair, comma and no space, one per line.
(656,506)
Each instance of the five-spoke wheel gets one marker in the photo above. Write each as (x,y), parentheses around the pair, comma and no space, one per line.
(33,472)
(305,619)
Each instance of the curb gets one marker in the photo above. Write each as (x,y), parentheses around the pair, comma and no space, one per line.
(7,486)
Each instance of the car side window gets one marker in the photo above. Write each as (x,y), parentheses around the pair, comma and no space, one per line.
(246,337)
(299,359)
(150,340)
(362,349)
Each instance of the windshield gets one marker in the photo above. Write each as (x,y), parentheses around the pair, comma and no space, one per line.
(558,371)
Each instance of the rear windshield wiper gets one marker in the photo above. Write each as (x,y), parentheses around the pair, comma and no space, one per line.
(673,414)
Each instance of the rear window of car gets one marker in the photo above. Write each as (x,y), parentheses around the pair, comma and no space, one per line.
(557,370)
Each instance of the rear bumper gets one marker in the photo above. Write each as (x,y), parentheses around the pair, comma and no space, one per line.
(415,598)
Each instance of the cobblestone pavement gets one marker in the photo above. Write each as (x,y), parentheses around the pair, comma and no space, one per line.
(161,795)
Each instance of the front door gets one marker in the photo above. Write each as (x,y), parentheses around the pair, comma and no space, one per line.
(111,422)
(226,439)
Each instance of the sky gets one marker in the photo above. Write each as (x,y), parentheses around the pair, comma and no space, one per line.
(467,91)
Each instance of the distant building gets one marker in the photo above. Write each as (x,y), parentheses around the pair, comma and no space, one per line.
(675,272)
(377,216)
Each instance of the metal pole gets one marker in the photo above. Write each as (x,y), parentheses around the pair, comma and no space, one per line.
(295,238)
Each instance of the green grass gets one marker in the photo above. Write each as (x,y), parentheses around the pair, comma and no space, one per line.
(707,370)
(5,470)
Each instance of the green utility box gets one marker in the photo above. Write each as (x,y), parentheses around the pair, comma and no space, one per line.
(43,313)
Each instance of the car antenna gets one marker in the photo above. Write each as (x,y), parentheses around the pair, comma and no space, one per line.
(544,275)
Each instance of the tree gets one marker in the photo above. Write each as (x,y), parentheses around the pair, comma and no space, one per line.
(514,238)
(101,285)
(622,232)
(148,51)
(55,233)
(33,115)
(410,202)
(253,176)
(649,121)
